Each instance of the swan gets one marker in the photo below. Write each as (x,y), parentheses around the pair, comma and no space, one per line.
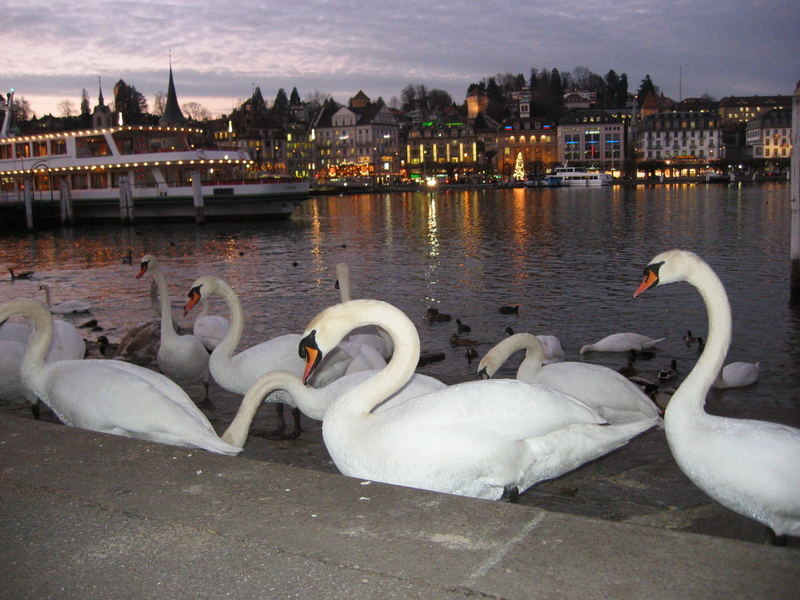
(313,401)
(237,372)
(210,328)
(22,275)
(183,358)
(621,342)
(140,343)
(611,394)
(751,467)
(551,345)
(67,307)
(67,343)
(110,396)
(737,374)
(487,439)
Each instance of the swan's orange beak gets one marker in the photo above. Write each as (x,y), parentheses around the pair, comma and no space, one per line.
(649,280)
(194,298)
(309,350)
(142,270)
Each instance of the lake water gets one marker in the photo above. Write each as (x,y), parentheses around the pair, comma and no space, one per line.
(569,257)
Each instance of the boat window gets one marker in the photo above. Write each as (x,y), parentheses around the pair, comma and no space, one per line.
(91,146)
(58,146)
(98,180)
(78,181)
(40,148)
(22,150)
(5,151)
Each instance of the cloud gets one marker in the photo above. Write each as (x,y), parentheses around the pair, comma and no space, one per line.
(220,49)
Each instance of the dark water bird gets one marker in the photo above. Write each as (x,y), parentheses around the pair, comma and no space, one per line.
(509,331)
(434,316)
(472,354)
(689,338)
(457,340)
(700,344)
(509,309)
(669,373)
(629,370)
(23,275)
(462,328)
(128,258)
(294,263)
(426,357)
(645,354)
(88,324)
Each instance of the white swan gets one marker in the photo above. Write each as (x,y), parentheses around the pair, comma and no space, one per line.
(611,394)
(751,467)
(210,328)
(66,344)
(484,439)
(183,358)
(313,401)
(551,346)
(110,396)
(621,342)
(237,372)
(67,307)
(737,374)
(371,336)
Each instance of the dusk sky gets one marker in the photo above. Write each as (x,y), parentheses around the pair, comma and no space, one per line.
(221,50)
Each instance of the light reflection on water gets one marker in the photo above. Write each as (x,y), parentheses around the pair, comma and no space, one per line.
(570,257)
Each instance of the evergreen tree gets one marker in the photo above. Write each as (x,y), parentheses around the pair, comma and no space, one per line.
(86,109)
(519,168)
(294,98)
(645,88)
(130,102)
(280,108)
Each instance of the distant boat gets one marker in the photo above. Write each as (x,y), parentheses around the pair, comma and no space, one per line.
(578,176)
(544,182)
(718,178)
(150,168)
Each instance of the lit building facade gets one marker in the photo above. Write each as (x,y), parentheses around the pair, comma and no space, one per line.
(680,143)
(534,139)
(769,136)
(741,109)
(592,139)
(356,141)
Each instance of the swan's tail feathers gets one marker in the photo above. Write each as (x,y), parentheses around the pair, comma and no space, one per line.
(652,343)
(566,449)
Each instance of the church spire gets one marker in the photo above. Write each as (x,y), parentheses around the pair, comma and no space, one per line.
(100,100)
(172,112)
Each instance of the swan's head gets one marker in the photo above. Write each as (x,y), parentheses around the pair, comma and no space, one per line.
(668,267)
(328,328)
(487,367)
(148,262)
(201,289)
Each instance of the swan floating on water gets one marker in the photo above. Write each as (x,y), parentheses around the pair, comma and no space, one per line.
(737,374)
(487,439)
(621,342)
(110,396)
(66,307)
(611,394)
(751,467)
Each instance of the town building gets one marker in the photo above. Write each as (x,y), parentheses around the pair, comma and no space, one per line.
(359,140)
(592,139)
(679,143)
(769,135)
(739,110)
(533,139)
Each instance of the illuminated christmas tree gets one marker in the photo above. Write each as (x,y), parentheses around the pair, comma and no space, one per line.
(519,168)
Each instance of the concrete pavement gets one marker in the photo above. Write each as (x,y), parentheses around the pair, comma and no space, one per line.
(87,515)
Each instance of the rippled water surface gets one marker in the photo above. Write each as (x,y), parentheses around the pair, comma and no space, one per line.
(570,258)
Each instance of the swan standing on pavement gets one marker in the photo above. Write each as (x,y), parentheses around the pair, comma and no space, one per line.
(183,358)
(751,467)
(67,307)
(487,439)
(737,374)
(621,342)
(611,394)
(110,396)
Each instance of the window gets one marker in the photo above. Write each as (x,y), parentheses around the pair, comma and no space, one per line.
(22,150)
(58,146)
(40,148)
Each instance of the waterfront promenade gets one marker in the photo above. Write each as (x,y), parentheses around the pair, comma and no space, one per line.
(88,515)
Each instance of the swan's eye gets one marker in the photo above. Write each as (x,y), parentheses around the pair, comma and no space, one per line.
(195,291)
(308,342)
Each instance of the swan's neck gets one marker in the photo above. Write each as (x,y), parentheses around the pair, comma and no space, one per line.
(39,342)
(167,327)
(47,295)
(690,397)
(303,396)
(228,344)
(361,399)
(343,277)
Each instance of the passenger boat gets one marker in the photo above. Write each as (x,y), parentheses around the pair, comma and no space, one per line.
(577,176)
(149,173)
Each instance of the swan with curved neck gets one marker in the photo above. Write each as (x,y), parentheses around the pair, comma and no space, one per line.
(621,342)
(237,372)
(66,307)
(484,439)
(751,467)
(183,358)
(608,392)
(110,396)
